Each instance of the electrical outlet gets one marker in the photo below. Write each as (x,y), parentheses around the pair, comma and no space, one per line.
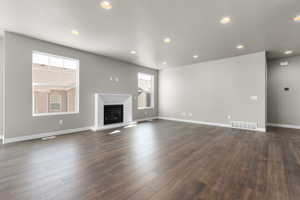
(61,122)
(228,116)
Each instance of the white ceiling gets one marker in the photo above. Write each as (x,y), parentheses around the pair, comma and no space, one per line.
(141,25)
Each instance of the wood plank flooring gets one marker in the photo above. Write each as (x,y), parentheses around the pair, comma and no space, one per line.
(158,160)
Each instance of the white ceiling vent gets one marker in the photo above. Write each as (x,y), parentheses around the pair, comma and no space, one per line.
(244,125)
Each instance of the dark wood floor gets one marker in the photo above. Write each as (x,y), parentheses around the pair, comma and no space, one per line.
(157,160)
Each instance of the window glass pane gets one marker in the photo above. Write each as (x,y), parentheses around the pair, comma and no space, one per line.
(145,90)
(70,64)
(40,59)
(55,87)
(143,76)
(55,61)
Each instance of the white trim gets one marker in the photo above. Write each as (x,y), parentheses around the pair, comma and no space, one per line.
(145,108)
(54,113)
(208,123)
(102,99)
(195,122)
(42,135)
(114,94)
(284,125)
(264,130)
(146,119)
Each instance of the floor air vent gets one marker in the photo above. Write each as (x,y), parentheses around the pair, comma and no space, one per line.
(244,125)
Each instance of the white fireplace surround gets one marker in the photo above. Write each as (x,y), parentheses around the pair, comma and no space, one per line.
(102,99)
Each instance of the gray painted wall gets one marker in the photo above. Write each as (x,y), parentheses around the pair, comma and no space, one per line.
(284,106)
(1,85)
(95,73)
(213,90)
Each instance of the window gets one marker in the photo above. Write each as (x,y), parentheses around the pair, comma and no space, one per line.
(145,91)
(55,84)
(55,103)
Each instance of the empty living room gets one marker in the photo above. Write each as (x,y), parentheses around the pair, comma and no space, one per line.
(149,100)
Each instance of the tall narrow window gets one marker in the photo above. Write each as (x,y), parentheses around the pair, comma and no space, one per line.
(145,91)
(55,84)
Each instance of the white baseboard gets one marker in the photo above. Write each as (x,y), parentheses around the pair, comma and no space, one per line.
(208,123)
(261,129)
(195,122)
(42,135)
(68,131)
(146,119)
(284,126)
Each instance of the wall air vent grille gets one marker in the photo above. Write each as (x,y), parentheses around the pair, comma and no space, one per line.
(244,125)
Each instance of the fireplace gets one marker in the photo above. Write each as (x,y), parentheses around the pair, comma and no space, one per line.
(113,114)
(118,110)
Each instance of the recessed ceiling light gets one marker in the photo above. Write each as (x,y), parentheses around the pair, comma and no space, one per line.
(225,20)
(75,32)
(195,56)
(106,5)
(167,40)
(297,18)
(288,52)
(164,63)
(133,52)
(240,46)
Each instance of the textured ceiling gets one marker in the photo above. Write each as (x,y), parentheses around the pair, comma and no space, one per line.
(141,25)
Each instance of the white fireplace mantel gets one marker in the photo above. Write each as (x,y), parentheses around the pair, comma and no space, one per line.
(102,99)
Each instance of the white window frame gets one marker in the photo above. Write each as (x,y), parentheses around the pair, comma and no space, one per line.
(77,87)
(152,94)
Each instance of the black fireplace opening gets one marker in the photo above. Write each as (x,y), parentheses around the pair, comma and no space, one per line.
(113,114)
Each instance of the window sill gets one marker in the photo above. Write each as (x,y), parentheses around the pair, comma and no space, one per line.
(54,113)
(145,108)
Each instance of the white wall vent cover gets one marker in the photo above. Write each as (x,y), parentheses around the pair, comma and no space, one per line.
(244,125)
